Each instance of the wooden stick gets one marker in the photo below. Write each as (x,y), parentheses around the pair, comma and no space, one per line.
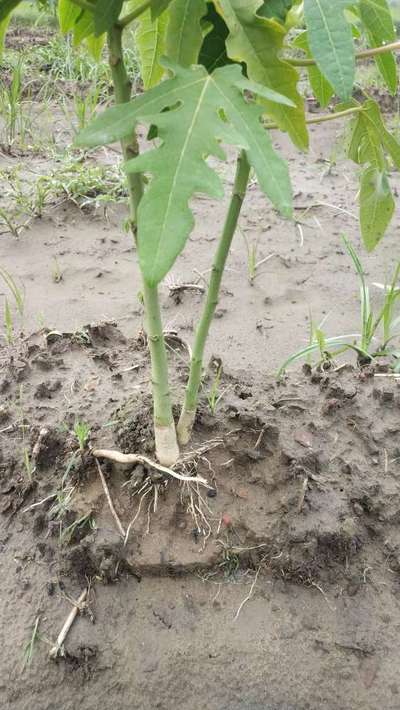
(57,649)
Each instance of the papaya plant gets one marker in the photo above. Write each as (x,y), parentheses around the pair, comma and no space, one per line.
(227,72)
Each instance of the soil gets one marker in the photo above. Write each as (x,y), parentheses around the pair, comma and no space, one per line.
(276,585)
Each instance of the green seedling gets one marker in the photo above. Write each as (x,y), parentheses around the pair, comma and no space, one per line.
(31,644)
(82,433)
(8,323)
(68,533)
(15,290)
(378,330)
(196,96)
(253,261)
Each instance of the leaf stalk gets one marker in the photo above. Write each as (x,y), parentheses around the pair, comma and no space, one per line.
(164,426)
(188,413)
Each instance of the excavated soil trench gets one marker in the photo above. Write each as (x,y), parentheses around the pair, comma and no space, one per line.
(299,518)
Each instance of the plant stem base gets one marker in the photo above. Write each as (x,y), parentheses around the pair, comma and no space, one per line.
(185,426)
(167,450)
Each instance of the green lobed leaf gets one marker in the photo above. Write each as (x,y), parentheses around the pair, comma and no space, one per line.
(150,38)
(185,31)
(376,206)
(6,7)
(258,42)
(331,42)
(211,108)
(377,19)
(321,87)
(106,13)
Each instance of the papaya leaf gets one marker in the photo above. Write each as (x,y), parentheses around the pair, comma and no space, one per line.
(3,29)
(389,142)
(376,206)
(321,87)
(205,110)
(84,27)
(378,22)
(365,146)
(370,138)
(68,14)
(277,9)
(150,41)
(331,42)
(95,45)
(185,32)
(157,7)
(106,12)
(258,41)
(6,7)
(213,50)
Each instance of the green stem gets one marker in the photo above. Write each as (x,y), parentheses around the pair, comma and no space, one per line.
(363,54)
(323,118)
(192,390)
(164,427)
(125,21)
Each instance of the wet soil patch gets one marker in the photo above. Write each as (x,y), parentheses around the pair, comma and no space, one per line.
(302,475)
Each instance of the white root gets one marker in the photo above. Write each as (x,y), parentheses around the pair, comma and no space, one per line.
(57,649)
(109,500)
(119,457)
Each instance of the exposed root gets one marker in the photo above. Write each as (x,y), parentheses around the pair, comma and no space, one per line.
(250,594)
(109,500)
(119,457)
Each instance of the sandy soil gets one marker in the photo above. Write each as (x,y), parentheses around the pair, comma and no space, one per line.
(101,279)
(318,501)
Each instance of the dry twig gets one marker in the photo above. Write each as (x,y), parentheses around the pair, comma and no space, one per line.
(57,649)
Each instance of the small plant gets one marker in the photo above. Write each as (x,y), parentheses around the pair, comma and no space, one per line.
(196,97)
(31,644)
(83,184)
(253,262)
(82,433)
(8,323)
(67,533)
(378,330)
(16,292)
(17,121)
